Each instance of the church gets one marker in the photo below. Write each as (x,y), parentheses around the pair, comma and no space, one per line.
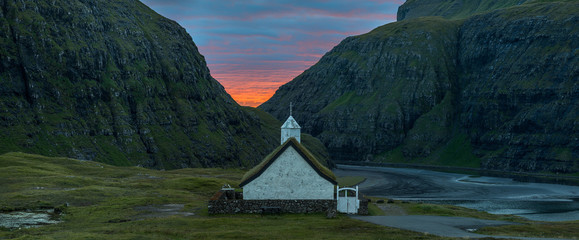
(290,172)
(288,180)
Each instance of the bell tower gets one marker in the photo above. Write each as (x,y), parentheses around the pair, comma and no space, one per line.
(290,128)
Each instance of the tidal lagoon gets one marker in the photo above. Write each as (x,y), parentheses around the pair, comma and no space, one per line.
(496,195)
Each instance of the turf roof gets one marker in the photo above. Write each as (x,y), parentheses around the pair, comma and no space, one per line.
(269,159)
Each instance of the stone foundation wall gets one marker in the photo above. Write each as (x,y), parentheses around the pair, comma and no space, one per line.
(363,210)
(231,202)
(222,206)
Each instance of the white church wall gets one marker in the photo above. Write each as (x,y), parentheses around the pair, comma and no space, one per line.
(289,177)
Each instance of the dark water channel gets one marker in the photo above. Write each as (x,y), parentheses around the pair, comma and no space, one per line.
(535,201)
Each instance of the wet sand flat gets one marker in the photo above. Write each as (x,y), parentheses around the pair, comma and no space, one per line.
(536,201)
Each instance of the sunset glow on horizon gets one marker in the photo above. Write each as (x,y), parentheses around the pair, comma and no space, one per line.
(253,47)
(258,85)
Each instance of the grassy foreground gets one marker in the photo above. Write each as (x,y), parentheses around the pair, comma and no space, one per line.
(100,201)
(105,202)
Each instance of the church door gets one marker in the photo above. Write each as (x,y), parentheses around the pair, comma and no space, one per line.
(348,200)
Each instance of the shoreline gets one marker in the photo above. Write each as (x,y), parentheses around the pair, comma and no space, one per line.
(518,176)
(494,195)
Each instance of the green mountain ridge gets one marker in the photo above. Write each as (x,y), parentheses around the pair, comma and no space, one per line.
(496,88)
(115,82)
(454,9)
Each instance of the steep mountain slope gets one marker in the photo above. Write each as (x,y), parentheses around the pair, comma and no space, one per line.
(114,81)
(495,90)
(453,9)
(520,86)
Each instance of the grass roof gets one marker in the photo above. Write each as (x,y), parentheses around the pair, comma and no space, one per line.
(269,159)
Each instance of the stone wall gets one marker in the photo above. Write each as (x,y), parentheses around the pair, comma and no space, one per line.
(363,210)
(222,206)
(231,202)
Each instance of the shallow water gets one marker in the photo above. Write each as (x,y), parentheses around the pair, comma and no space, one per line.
(535,201)
(27,219)
(548,210)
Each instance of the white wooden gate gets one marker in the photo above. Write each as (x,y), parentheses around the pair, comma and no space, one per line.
(347,204)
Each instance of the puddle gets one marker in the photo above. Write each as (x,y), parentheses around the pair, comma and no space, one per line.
(27,219)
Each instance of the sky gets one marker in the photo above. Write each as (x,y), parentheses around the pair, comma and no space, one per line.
(252,47)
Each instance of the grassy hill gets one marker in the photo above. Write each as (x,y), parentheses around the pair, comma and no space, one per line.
(107,202)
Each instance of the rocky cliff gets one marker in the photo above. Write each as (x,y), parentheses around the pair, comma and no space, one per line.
(497,90)
(114,81)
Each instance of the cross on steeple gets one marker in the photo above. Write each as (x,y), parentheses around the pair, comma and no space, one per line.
(291,105)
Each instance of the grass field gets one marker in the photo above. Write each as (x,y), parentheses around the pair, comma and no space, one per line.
(100,201)
(349,181)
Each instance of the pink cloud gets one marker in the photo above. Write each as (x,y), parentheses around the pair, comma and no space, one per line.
(253,47)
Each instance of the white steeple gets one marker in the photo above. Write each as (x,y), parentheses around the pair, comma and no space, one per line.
(290,128)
